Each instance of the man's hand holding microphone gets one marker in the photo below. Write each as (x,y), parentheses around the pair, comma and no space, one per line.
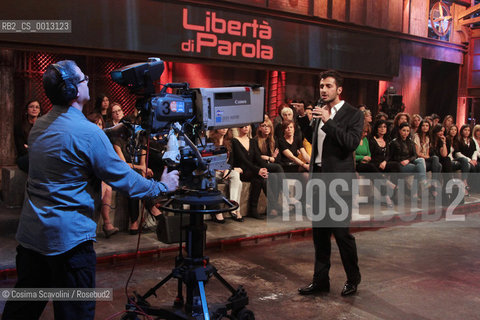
(321,111)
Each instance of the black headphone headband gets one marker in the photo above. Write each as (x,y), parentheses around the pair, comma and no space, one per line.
(66,87)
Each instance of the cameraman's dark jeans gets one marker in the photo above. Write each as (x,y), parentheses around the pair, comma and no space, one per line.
(22,162)
(72,269)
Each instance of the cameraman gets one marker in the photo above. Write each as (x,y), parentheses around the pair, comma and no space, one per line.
(69,157)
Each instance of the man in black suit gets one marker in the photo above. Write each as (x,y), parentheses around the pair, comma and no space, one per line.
(337,129)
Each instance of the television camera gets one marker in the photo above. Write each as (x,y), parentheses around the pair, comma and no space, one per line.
(391,103)
(180,118)
(196,110)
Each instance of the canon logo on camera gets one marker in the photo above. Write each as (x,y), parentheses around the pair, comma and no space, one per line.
(209,35)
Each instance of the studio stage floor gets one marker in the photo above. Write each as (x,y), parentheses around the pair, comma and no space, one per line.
(426,270)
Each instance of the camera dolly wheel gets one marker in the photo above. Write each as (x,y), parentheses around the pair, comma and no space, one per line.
(245,314)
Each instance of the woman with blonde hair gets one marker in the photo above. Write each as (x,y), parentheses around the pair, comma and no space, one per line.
(476,136)
(448,121)
(278,119)
(245,155)
(266,141)
(267,150)
(415,123)
(368,116)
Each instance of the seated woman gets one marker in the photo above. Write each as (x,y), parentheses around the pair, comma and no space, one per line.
(101,106)
(223,137)
(368,116)
(379,148)
(265,146)
(415,123)
(21,132)
(400,118)
(439,148)
(286,114)
(136,161)
(362,153)
(279,119)
(108,228)
(114,114)
(467,149)
(476,136)
(448,121)
(244,157)
(402,150)
(291,147)
(363,159)
(461,163)
(422,147)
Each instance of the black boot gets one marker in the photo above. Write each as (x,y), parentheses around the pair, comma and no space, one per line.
(255,189)
(254,214)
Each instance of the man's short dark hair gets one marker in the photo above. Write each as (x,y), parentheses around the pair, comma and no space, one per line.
(334,74)
(53,82)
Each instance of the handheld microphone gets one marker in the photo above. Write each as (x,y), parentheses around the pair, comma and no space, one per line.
(320,103)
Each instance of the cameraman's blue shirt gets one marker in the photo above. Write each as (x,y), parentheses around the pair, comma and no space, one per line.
(69,157)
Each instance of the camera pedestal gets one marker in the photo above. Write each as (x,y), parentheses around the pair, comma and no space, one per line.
(194,270)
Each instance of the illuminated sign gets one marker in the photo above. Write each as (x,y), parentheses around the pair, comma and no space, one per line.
(196,33)
(229,37)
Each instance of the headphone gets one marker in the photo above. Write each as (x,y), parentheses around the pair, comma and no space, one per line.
(68,89)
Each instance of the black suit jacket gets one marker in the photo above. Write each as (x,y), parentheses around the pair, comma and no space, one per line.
(343,135)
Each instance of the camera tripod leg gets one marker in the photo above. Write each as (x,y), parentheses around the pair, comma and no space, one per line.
(154,289)
(239,298)
(203,298)
(224,282)
(178,303)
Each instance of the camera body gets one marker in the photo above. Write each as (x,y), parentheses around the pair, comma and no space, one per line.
(196,177)
(212,108)
(188,113)
(230,107)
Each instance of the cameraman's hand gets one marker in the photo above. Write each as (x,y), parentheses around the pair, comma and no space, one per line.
(225,173)
(149,173)
(170,179)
